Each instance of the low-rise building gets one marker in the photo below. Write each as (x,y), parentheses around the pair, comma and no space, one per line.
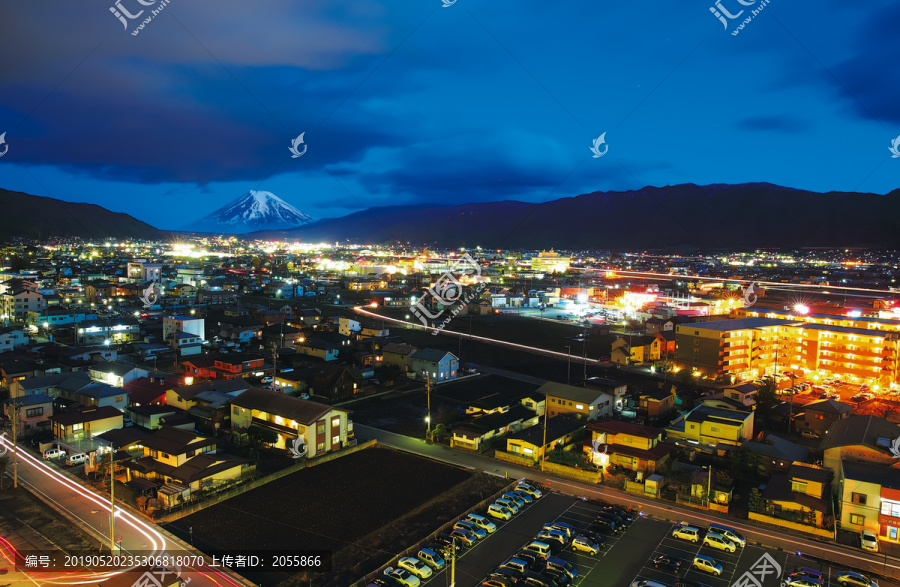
(85,423)
(583,402)
(713,426)
(33,415)
(632,446)
(818,417)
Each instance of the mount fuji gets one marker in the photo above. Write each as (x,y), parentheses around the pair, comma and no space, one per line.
(252,211)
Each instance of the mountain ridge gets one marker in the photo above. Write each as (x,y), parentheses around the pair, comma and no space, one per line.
(254,210)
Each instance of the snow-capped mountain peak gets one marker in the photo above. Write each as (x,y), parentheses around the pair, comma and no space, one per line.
(255,210)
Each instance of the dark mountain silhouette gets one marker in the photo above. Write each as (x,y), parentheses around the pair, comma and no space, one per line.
(39,217)
(687,215)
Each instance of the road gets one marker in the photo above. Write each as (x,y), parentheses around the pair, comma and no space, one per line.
(847,557)
(92,512)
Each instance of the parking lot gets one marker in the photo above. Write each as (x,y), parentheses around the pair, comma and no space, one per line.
(627,555)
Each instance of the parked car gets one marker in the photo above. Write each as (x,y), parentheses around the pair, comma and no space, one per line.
(76,459)
(666,562)
(792,581)
(707,565)
(447,540)
(582,544)
(415,566)
(384,581)
(54,453)
(432,558)
(495,510)
(515,564)
(551,537)
(729,533)
(532,491)
(604,526)
(525,497)
(483,523)
(404,576)
(507,504)
(464,536)
(719,542)
(506,573)
(645,583)
(688,533)
(567,529)
(557,576)
(594,537)
(626,515)
(471,527)
(558,563)
(520,503)
(853,578)
(532,579)
(803,572)
(868,540)
(533,560)
(444,550)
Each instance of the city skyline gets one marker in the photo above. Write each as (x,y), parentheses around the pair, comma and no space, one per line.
(421,103)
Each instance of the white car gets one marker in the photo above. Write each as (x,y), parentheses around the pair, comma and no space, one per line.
(76,459)
(483,523)
(404,576)
(415,566)
(54,453)
(526,488)
(868,540)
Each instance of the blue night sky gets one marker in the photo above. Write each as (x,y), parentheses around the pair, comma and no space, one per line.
(409,102)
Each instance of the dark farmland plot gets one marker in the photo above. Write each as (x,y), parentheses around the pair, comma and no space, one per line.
(333,505)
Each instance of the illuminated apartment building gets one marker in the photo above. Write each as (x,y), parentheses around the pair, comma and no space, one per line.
(747,348)
(550,263)
(852,321)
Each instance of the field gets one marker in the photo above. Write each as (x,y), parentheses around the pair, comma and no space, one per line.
(347,505)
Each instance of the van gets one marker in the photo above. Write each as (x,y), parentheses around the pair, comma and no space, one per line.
(431,558)
(729,533)
(566,529)
(54,453)
(76,459)
(541,547)
(483,523)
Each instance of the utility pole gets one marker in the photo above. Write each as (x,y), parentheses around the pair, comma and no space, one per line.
(544,444)
(709,487)
(428,394)
(584,348)
(112,501)
(453,561)
(15,446)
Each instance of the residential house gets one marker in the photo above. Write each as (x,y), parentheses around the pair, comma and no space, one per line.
(712,426)
(534,442)
(800,496)
(434,364)
(617,389)
(632,446)
(397,354)
(475,433)
(584,402)
(108,331)
(321,349)
(818,417)
(186,344)
(12,338)
(860,438)
(656,403)
(85,423)
(635,349)
(281,336)
(345,326)
(237,365)
(150,416)
(174,324)
(870,499)
(115,374)
(31,413)
(321,428)
(336,382)
(666,340)
(179,462)
(185,396)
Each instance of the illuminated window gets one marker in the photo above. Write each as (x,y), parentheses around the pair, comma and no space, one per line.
(857,519)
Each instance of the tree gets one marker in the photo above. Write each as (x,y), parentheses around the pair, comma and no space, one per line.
(766,401)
